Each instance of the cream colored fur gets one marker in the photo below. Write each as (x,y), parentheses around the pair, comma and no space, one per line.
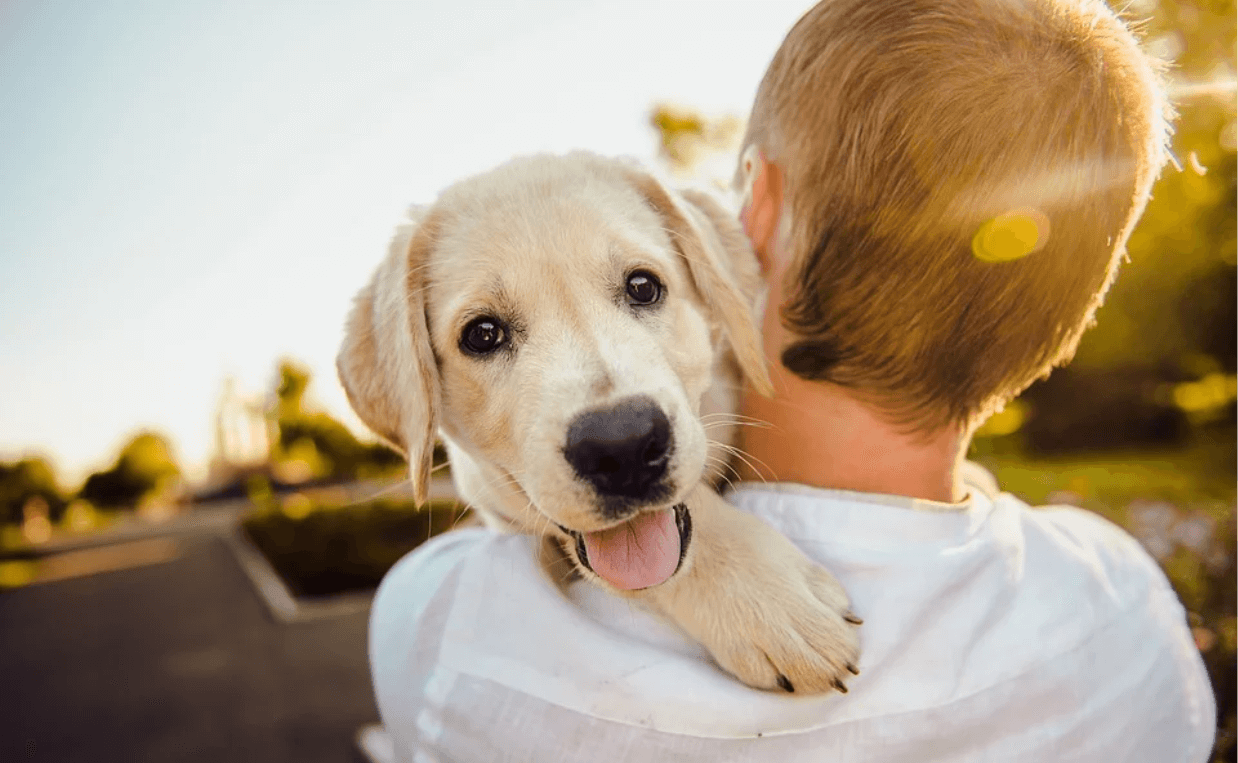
(546,242)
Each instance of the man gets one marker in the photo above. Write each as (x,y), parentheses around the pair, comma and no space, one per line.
(940,192)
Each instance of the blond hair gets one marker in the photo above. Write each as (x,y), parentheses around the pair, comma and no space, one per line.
(912,132)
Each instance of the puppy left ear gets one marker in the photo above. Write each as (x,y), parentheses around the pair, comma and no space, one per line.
(386,363)
(722,264)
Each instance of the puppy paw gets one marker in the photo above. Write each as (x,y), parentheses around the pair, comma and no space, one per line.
(767,614)
(788,630)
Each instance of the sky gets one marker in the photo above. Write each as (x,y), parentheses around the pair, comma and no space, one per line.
(191,190)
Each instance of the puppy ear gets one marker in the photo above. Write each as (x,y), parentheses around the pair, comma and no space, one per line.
(722,265)
(386,363)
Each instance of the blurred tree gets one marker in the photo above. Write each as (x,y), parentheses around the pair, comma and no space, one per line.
(693,145)
(145,465)
(1166,334)
(311,444)
(1173,303)
(22,480)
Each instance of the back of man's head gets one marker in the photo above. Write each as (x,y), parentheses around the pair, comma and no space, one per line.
(960,179)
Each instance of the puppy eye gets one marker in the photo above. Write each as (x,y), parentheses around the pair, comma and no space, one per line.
(482,336)
(644,288)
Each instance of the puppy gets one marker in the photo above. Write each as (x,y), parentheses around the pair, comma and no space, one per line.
(572,328)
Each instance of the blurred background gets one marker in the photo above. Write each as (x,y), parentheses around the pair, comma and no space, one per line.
(191,519)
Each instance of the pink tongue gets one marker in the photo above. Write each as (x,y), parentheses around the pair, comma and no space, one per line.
(636,554)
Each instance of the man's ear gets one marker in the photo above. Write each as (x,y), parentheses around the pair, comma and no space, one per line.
(760,182)
(719,259)
(386,363)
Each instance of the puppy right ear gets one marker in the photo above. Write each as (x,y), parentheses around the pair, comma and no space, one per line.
(729,277)
(386,363)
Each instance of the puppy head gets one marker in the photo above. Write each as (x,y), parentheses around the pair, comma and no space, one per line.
(559,320)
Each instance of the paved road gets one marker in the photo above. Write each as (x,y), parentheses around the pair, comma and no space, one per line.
(175,661)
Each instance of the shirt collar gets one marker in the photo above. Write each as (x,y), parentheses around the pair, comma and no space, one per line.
(872,520)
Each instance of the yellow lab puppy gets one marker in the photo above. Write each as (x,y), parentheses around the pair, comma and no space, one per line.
(567,324)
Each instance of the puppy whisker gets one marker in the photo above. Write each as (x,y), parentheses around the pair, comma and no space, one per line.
(744,456)
(399,486)
(720,424)
(731,417)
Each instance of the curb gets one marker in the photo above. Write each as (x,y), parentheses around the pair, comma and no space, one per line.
(283,606)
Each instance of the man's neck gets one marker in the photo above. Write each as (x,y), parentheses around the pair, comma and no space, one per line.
(842,443)
(820,434)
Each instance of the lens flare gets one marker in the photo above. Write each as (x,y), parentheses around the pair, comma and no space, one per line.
(1010,236)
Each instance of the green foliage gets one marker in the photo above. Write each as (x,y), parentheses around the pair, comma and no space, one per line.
(22,480)
(688,141)
(1173,305)
(318,445)
(145,465)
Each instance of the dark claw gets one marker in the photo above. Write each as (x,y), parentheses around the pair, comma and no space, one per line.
(854,670)
(852,618)
(785,684)
(839,685)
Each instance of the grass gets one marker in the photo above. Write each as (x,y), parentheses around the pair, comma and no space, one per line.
(1201,473)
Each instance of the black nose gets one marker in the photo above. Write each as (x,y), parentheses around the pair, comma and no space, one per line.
(622,451)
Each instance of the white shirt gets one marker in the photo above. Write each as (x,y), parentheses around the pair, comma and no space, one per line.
(992,632)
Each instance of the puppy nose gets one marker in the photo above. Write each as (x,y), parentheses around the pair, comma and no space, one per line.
(622,451)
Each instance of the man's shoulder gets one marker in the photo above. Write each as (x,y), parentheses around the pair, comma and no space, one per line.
(441,554)
(1139,626)
(1088,546)
(1070,535)
(429,600)
(431,570)
(1039,605)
